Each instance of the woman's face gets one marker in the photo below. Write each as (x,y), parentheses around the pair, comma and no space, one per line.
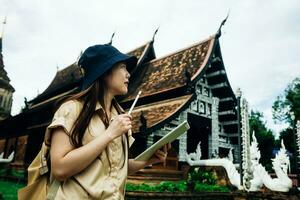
(117,81)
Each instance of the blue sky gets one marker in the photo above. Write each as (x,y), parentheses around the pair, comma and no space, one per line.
(260,42)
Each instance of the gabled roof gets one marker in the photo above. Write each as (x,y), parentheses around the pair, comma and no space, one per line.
(143,53)
(158,112)
(65,76)
(69,77)
(137,52)
(172,71)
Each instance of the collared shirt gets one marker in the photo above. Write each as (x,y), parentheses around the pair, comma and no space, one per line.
(105,177)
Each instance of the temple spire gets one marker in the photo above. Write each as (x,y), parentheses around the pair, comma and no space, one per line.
(219,33)
(111,39)
(155,33)
(1,34)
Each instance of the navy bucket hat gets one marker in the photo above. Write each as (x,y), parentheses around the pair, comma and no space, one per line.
(98,59)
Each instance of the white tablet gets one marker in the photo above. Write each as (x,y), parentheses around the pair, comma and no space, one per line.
(168,138)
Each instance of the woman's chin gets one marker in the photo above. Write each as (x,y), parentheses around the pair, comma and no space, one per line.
(123,92)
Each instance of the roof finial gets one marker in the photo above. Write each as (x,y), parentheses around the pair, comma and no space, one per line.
(3,22)
(79,56)
(111,39)
(219,33)
(1,34)
(155,33)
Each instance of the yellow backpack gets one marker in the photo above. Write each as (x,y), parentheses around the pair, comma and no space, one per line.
(39,185)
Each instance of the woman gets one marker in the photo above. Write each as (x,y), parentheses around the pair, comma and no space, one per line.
(88,134)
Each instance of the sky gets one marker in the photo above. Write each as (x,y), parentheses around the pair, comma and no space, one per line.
(260,40)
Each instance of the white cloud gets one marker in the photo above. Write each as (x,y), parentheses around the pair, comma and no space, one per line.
(260,42)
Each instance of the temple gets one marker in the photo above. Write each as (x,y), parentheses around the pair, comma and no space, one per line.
(6,89)
(189,84)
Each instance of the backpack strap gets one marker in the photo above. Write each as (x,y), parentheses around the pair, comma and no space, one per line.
(44,158)
(53,189)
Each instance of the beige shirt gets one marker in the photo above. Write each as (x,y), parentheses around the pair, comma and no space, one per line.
(99,180)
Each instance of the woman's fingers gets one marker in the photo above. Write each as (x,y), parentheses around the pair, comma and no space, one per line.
(169,146)
(165,148)
(161,154)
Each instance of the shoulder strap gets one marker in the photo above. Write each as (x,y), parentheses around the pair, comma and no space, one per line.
(53,189)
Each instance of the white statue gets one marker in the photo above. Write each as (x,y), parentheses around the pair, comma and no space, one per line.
(257,182)
(281,165)
(194,160)
(261,177)
(7,160)
(230,154)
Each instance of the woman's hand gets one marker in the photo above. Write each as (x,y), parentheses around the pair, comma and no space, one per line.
(159,156)
(120,124)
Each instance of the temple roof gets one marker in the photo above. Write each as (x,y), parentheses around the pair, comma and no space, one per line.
(143,53)
(4,79)
(172,71)
(158,112)
(63,78)
(138,51)
(71,75)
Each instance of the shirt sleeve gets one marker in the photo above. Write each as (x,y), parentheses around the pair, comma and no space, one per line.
(64,117)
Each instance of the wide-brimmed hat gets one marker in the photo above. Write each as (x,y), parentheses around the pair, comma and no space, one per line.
(98,59)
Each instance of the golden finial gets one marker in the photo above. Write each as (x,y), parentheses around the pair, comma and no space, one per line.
(3,22)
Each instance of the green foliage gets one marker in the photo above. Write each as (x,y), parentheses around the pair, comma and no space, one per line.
(201,187)
(171,186)
(13,172)
(9,189)
(287,102)
(199,176)
(264,136)
(164,186)
(281,110)
(200,181)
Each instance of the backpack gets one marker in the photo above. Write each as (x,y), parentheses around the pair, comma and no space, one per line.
(39,185)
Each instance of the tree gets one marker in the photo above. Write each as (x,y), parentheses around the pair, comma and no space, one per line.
(287,135)
(264,136)
(287,103)
(281,110)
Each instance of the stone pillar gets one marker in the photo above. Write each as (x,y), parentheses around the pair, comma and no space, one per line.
(214,148)
(246,165)
(183,138)
(182,147)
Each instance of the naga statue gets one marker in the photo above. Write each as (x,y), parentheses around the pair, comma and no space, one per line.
(281,164)
(194,159)
(6,160)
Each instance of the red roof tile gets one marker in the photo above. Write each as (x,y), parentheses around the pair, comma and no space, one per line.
(138,51)
(158,112)
(169,72)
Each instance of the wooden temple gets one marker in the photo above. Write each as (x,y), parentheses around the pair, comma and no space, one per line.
(190,84)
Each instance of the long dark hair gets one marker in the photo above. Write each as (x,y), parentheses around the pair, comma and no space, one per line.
(89,97)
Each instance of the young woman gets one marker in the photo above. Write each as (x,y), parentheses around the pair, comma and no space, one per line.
(89,133)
